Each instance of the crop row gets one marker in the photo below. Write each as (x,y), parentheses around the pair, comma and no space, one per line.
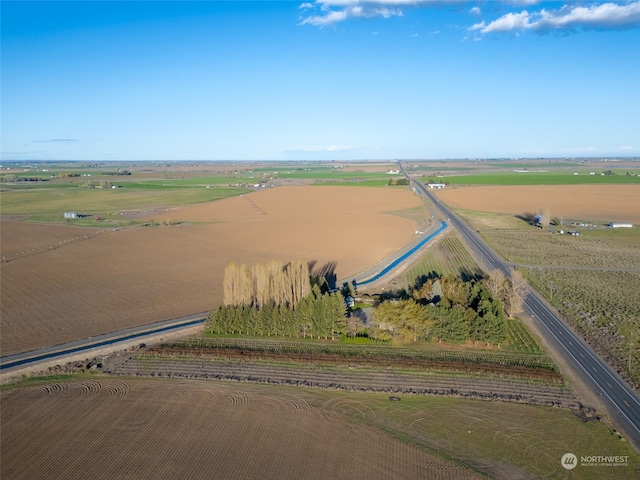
(603,306)
(519,339)
(502,359)
(447,257)
(545,248)
(353,379)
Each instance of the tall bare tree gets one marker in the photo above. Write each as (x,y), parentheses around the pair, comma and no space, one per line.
(237,285)
(516,293)
(545,217)
(297,282)
(261,287)
(274,270)
(496,283)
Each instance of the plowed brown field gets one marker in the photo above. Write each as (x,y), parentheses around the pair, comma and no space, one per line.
(164,429)
(63,283)
(603,203)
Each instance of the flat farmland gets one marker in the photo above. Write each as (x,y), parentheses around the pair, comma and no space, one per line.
(604,203)
(59,286)
(118,427)
(112,428)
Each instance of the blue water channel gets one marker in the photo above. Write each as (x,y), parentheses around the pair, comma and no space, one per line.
(404,256)
(102,343)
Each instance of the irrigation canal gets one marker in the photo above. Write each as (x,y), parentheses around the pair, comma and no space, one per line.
(395,263)
(139,333)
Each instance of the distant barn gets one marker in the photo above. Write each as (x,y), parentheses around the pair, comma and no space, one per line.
(620,225)
(70,214)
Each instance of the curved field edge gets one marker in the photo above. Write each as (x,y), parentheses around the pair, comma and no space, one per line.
(145,429)
(152,421)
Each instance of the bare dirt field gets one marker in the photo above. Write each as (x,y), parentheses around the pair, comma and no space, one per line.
(112,428)
(603,203)
(64,283)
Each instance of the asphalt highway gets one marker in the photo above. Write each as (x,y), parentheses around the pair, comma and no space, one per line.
(620,400)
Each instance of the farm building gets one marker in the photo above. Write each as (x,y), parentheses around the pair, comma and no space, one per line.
(70,214)
(436,185)
(620,225)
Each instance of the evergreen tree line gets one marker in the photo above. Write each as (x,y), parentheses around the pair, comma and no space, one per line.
(443,309)
(317,315)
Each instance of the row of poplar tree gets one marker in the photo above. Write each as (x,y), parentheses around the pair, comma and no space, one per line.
(276,299)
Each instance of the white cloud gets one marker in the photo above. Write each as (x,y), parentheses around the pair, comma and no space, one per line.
(324,20)
(506,23)
(625,148)
(569,17)
(334,11)
(607,15)
(572,16)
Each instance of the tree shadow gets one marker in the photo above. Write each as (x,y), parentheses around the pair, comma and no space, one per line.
(467,276)
(528,217)
(422,279)
(388,295)
(323,275)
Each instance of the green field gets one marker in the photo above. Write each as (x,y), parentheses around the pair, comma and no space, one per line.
(49,204)
(148,186)
(546,178)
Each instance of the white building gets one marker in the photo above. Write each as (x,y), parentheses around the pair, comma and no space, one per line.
(436,185)
(620,225)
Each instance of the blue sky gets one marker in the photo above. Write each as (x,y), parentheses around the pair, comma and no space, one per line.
(331,79)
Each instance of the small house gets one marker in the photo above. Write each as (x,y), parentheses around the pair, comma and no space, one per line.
(349,301)
(70,214)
